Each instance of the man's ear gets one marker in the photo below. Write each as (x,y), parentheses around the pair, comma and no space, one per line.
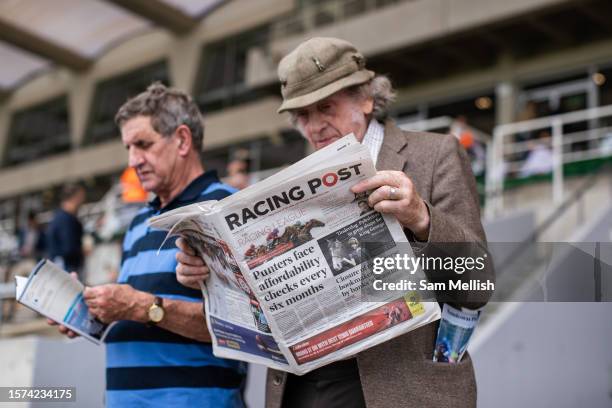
(367,105)
(184,140)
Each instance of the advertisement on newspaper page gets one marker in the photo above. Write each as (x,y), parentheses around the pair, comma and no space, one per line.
(289,257)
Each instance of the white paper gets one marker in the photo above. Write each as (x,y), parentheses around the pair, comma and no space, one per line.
(52,292)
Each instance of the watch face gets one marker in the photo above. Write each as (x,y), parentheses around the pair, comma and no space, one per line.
(156,314)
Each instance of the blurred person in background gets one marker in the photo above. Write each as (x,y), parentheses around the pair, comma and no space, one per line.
(466,137)
(31,247)
(131,189)
(31,238)
(425,181)
(460,129)
(158,353)
(65,231)
(238,170)
(539,159)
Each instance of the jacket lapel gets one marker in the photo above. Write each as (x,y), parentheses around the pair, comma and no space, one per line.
(389,157)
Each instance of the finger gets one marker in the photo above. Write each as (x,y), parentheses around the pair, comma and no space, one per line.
(99,317)
(379,179)
(390,207)
(193,271)
(186,259)
(193,283)
(89,293)
(91,303)
(182,244)
(71,334)
(51,322)
(384,193)
(74,276)
(95,311)
(103,316)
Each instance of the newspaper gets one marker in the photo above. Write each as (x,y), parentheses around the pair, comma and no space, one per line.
(52,292)
(288,258)
(456,328)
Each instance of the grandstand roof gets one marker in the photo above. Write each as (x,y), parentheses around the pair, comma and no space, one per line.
(36,35)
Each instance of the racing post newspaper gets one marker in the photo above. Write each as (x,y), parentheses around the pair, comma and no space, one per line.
(288,258)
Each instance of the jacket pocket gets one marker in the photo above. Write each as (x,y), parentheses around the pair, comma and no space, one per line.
(448,384)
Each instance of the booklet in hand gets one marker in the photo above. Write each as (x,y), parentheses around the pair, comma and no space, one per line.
(52,292)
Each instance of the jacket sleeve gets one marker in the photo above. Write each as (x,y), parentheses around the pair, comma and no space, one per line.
(455,229)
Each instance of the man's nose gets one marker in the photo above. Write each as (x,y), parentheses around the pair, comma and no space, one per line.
(316,124)
(134,158)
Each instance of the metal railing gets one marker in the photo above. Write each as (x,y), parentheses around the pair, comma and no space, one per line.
(560,146)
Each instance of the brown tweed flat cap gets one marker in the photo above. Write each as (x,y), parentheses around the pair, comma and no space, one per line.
(318,68)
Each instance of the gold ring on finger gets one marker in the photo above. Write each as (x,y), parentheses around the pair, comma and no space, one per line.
(393,193)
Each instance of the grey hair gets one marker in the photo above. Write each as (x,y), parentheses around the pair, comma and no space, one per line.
(168,109)
(381,91)
(378,88)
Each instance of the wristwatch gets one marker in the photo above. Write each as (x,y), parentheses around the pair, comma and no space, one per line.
(156,311)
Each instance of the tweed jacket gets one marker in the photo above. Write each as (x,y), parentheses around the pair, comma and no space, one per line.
(400,372)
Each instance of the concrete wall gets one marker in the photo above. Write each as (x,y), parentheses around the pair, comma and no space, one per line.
(547,355)
(220,129)
(600,230)
(411,22)
(17,356)
(506,234)
(71,363)
(555,353)
(579,270)
(36,361)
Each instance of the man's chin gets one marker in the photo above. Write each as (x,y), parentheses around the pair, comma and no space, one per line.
(148,185)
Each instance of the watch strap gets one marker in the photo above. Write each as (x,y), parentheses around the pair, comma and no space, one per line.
(158,301)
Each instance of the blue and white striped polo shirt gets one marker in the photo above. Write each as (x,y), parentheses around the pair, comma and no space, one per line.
(152,367)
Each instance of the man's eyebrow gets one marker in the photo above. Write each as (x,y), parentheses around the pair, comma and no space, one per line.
(137,142)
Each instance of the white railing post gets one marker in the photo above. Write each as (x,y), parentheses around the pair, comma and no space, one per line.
(500,172)
(493,184)
(557,148)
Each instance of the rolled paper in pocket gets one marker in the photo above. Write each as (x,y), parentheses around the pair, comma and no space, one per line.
(456,328)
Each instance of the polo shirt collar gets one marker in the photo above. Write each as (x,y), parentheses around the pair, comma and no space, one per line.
(190,193)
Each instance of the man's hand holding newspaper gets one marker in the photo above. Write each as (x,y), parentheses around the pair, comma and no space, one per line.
(394,193)
(191,270)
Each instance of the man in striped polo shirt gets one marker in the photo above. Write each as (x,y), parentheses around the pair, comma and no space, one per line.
(159,353)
